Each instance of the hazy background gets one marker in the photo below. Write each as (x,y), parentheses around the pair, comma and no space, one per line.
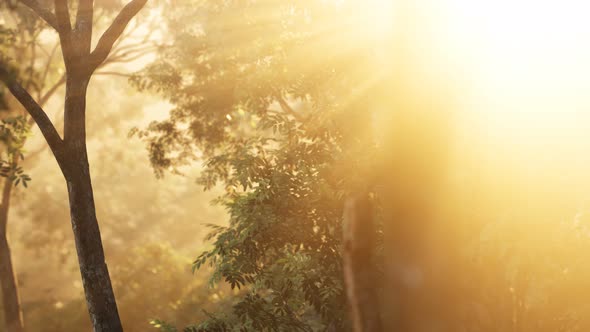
(517,73)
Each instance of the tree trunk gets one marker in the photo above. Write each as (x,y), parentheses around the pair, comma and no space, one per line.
(12,311)
(100,298)
(95,275)
(13,317)
(416,143)
(359,264)
(70,152)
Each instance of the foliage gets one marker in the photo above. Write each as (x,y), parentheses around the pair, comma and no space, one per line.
(282,134)
(278,113)
(13,134)
(151,281)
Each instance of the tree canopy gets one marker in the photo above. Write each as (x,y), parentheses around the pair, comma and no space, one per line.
(284,134)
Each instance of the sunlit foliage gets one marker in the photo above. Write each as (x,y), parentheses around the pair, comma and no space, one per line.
(275,112)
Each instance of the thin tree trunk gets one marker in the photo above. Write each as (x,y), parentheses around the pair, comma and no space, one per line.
(70,152)
(13,318)
(100,298)
(93,268)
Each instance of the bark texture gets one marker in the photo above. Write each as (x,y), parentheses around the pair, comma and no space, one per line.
(13,318)
(100,297)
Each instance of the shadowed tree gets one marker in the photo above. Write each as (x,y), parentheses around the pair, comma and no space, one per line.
(22,43)
(70,152)
(22,39)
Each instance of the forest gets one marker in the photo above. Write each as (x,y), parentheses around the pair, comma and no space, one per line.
(294,165)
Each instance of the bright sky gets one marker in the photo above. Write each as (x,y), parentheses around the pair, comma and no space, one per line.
(522,73)
(527,57)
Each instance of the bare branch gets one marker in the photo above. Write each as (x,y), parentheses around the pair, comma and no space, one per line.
(127,33)
(110,36)
(288,109)
(33,155)
(45,97)
(37,113)
(47,68)
(113,73)
(52,90)
(131,30)
(42,48)
(142,46)
(44,13)
(130,56)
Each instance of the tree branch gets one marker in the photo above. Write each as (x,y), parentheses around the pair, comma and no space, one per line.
(62,15)
(47,69)
(129,56)
(113,73)
(64,28)
(127,33)
(129,49)
(43,99)
(52,90)
(110,36)
(84,23)
(37,113)
(288,109)
(44,13)
(31,156)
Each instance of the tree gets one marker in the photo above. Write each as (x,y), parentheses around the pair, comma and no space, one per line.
(225,91)
(22,42)
(70,152)
(359,264)
(13,131)
(287,135)
(165,211)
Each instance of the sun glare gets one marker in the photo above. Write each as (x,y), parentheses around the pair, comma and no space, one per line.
(516,74)
(524,95)
(367,21)
(527,54)
(377,16)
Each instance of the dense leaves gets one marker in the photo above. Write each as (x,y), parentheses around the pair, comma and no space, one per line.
(281,133)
